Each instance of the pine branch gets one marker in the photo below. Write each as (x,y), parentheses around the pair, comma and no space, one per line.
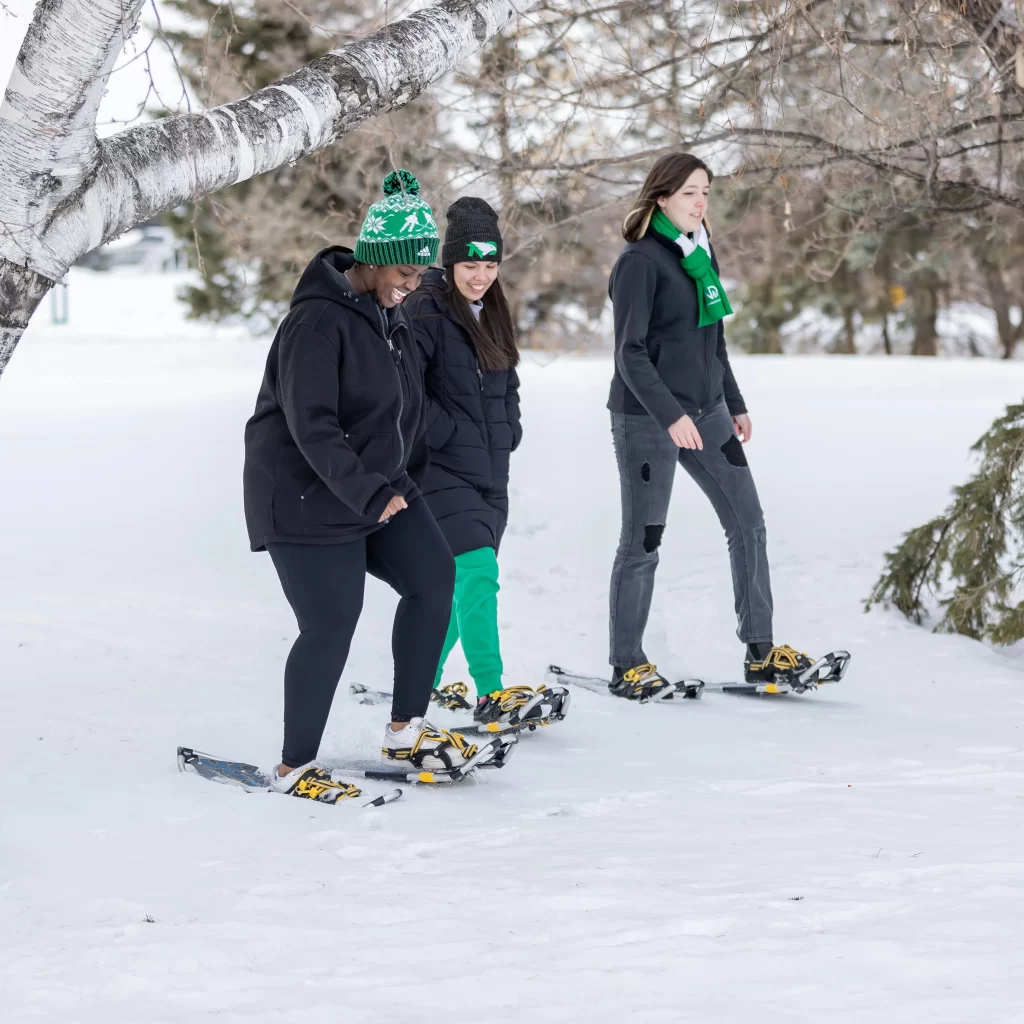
(971,558)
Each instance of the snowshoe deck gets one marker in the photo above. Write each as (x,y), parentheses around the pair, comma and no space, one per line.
(246,776)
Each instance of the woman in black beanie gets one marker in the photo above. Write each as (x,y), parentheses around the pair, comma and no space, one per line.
(466,333)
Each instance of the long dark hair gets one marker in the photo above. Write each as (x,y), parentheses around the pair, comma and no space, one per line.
(494,334)
(666,177)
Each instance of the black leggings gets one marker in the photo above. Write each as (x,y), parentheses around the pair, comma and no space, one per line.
(324,586)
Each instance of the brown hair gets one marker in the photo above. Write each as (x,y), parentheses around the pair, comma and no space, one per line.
(667,176)
(494,334)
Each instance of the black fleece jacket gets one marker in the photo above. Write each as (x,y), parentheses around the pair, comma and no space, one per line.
(338,429)
(665,365)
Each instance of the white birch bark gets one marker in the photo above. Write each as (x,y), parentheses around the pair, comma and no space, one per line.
(63,192)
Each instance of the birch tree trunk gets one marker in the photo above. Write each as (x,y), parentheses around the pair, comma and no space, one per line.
(63,192)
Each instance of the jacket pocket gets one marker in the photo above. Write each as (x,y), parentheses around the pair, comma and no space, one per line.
(377,452)
(681,365)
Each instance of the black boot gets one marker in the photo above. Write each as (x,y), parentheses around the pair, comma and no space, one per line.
(641,682)
(766,663)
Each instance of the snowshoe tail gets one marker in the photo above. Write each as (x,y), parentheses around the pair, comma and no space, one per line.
(231,773)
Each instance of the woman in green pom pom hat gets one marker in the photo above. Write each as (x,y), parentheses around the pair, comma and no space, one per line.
(674,401)
(334,455)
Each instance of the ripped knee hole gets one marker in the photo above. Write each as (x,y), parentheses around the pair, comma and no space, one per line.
(652,538)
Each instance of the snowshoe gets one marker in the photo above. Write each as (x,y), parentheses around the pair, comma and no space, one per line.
(794,670)
(640,683)
(252,779)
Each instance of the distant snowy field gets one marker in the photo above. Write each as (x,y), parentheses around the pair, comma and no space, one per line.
(849,856)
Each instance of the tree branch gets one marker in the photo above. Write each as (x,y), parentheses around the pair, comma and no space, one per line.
(63,193)
(48,115)
(159,165)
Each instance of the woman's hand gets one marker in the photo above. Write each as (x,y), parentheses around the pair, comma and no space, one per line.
(684,433)
(743,427)
(396,504)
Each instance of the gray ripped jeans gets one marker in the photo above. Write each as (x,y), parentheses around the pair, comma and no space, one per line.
(647,459)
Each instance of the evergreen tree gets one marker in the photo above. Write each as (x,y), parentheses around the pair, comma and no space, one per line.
(971,557)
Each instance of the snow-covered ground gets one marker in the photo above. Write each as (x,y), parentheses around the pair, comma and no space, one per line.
(850,856)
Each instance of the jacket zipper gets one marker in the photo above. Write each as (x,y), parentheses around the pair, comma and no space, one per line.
(483,408)
(396,357)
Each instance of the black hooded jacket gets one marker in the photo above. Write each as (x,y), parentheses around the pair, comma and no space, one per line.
(665,365)
(338,427)
(472,418)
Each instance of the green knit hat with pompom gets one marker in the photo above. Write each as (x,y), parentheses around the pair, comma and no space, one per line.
(399,229)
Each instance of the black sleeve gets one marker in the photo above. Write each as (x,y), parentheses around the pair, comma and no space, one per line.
(308,363)
(733,398)
(512,407)
(632,289)
(438,424)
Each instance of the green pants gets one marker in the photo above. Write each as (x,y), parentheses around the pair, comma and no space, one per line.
(475,619)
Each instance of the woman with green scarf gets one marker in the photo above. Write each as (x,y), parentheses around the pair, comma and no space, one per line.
(674,401)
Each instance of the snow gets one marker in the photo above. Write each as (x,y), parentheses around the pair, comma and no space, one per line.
(848,856)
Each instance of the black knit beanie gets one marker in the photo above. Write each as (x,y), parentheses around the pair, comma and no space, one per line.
(471,233)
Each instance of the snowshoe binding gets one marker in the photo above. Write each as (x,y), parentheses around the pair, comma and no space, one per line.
(424,747)
(640,683)
(453,697)
(313,783)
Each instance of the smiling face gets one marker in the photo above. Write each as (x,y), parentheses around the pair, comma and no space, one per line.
(473,279)
(393,284)
(687,206)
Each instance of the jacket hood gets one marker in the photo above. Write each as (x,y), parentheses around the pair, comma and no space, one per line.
(324,280)
(324,277)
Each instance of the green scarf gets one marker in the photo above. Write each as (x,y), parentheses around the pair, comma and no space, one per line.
(712,302)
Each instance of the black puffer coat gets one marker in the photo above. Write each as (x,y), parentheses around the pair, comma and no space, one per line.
(338,426)
(472,418)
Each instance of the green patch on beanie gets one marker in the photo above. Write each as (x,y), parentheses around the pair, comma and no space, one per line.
(400,228)
(482,250)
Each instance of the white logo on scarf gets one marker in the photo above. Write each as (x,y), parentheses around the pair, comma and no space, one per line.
(712,293)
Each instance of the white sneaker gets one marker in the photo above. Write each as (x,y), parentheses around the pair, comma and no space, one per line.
(425,747)
(313,783)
